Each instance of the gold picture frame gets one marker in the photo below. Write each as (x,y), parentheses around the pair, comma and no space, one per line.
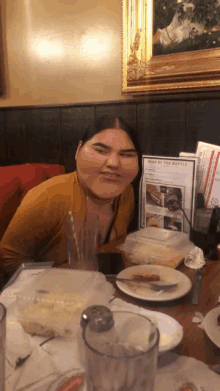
(143,72)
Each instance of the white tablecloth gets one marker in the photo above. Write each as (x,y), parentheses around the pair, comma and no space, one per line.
(61,358)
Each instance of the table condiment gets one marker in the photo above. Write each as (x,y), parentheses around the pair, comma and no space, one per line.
(102,315)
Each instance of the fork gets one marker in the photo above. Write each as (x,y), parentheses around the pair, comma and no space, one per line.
(157,286)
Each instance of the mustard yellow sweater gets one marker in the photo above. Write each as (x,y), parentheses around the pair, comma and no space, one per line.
(36,231)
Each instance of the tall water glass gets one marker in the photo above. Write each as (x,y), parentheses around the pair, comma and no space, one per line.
(2,345)
(82,245)
(123,358)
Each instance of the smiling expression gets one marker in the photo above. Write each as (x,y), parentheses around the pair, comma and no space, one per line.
(107,163)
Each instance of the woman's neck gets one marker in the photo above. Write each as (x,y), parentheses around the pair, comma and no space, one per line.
(100,202)
(103,212)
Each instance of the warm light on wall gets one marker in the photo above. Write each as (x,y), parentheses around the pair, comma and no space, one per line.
(94,46)
(45,48)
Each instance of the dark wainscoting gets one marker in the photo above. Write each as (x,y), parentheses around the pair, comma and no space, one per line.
(165,124)
(51,134)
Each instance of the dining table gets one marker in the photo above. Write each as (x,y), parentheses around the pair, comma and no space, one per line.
(195,342)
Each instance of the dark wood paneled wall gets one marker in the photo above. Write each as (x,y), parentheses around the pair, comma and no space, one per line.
(165,125)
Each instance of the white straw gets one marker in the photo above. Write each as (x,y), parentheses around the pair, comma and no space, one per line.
(73,232)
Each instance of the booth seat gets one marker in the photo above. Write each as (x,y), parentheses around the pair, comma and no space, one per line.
(16,181)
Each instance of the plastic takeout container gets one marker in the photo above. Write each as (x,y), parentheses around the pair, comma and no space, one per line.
(153,245)
(53,303)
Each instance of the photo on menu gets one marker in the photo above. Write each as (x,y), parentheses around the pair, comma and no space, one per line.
(153,195)
(172,224)
(173,198)
(163,207)
(154,220)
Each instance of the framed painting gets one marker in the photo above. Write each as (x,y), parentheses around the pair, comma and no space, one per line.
(170,46)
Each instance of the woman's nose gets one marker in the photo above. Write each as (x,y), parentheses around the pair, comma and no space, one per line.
(113,160)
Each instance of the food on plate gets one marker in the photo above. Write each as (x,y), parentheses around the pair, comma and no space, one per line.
(142,277)
(145,277)
(53,314)
(138,286)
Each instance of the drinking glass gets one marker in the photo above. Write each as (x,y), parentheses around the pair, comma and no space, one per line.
(2,345)
(124,357)
(82,245)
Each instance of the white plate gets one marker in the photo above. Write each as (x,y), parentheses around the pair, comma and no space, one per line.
(166,274)
(211,326)
(171,332)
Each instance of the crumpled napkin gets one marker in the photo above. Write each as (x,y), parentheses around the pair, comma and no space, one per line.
(195,258)
(198,318)
(18,343)
(36,370)
(38,366)
(179,372)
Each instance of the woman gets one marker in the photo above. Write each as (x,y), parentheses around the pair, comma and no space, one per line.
(100,188)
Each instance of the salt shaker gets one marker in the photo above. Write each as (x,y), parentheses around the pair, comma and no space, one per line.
(102,317)
(101,320)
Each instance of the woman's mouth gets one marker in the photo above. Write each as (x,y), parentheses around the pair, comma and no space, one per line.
(111,175)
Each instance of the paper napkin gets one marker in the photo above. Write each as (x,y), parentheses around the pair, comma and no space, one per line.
(35,369)
(179,373)
(18,343)
(195,259)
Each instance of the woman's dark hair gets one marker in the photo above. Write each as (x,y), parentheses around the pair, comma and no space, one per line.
(109,122)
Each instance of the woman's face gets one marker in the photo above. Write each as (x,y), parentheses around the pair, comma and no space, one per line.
(107,163)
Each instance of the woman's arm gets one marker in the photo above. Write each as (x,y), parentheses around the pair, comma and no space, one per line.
(27,231)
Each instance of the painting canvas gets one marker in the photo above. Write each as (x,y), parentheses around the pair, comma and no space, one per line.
(171,45)
(181,26)
(2,73)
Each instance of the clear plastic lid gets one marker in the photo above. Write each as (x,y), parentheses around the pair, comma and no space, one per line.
(158,236)
(153,245)
(53,303)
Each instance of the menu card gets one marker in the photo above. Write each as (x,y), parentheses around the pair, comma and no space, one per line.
(167,192)
(209,173)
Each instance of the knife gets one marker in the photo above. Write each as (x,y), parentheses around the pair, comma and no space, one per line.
(197,286)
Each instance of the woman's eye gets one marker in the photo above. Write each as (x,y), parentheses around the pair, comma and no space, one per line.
(100,150)
(129,154)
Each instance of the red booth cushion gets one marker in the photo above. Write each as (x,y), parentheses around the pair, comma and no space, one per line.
(16,181)
(51,169)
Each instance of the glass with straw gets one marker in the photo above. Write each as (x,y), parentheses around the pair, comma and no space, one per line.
(81,243)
